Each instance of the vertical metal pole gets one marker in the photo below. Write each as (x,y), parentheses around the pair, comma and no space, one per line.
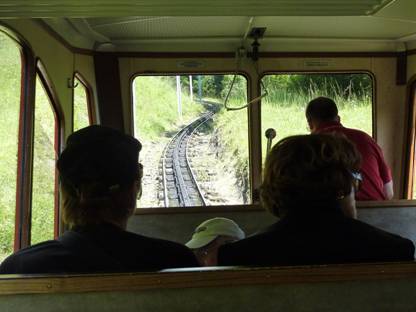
(179,95)
(191,91)
(200,87)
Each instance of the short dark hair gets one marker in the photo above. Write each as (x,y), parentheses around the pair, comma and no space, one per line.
(308,172)
(321,109)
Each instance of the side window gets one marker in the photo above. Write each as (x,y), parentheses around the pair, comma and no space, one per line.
(283,109)
(44,174)
(10,93)
(82,105)
(195,152)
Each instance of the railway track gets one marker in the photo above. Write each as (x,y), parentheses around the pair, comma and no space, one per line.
(180,188)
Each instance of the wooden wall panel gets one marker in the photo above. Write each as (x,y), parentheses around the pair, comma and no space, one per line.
(107,77)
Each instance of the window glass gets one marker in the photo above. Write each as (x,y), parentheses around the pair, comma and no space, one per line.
(10,75)
(43,195)
(81,114)
(283,109)
(195,152)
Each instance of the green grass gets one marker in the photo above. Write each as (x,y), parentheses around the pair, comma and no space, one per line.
(156,106)
(232,127)
(44,169)
(10,69)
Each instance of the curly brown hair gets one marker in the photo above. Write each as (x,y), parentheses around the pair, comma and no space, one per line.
(308,170)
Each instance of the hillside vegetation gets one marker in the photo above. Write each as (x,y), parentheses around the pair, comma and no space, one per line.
(157,108)
(10,69)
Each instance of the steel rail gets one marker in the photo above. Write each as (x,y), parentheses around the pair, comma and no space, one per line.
(175,153)
(207,117)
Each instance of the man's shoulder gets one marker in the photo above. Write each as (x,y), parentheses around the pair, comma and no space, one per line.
(33,258)
(155,242)
(357,132)
(171,252)
(377,236)
(259,240)
(113,238)
(38,249)
(169,245)
(339,128)
(363,140)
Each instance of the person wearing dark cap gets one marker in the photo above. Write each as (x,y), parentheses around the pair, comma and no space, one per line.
(100,180)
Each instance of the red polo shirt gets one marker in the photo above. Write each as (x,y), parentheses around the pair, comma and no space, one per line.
(374,169)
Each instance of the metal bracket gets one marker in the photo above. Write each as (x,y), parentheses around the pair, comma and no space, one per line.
(71,84)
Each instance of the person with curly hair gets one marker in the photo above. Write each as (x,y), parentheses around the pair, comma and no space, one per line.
(309,183)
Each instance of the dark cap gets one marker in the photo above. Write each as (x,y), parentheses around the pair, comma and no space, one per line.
(98,154)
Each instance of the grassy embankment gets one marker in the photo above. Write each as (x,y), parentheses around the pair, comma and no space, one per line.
(156,107)
(9,105)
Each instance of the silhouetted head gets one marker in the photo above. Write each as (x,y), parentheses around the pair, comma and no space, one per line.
(307,174)
(319,110)
(100,176)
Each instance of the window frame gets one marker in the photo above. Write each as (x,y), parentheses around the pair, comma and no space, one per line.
(410,153)
(49,89)
(90,98)
(336,72)
(24,139)
(31,66)
(319,72)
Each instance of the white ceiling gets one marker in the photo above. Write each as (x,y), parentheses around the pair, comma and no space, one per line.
(221,25)
(97,8)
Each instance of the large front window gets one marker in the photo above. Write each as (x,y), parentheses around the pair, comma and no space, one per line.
(195,152)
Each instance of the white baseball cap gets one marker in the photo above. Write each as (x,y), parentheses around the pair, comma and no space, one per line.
(210,229)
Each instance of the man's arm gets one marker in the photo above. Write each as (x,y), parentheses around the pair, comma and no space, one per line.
(388,189)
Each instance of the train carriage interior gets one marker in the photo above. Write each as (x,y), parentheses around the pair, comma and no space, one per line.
(199,84)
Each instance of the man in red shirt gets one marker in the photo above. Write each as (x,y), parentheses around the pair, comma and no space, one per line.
(377,184)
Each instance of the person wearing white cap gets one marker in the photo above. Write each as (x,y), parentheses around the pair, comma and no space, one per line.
(210,235)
